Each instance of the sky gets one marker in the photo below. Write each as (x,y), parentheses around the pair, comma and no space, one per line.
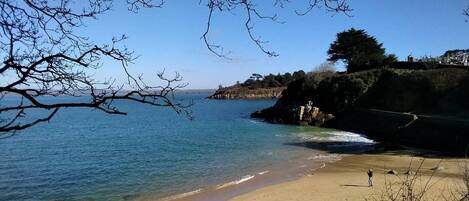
(169,38)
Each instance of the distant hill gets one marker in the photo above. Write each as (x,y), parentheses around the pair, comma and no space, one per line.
(238,92)
(258,87)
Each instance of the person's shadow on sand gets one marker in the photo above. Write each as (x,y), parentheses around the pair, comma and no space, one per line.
(354,185)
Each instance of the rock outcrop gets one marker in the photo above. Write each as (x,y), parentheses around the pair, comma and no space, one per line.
(306,114)
(310,115)
(420,108)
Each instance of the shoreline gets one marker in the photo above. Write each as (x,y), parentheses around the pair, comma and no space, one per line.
(347,178)
(328,176)
(307,177)
(278,173)
(315,155)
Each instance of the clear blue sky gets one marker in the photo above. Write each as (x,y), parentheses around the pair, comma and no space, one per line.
(170,38)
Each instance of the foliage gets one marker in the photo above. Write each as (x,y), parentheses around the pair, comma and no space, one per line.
(259,81)
(420,91)
(324,67)
(416,65)
(359,51)
(429,59)
(256,76)
(389,59)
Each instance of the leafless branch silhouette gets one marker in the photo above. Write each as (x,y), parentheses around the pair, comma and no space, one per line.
(466,12)
(414,187)
(44,56)
(252,12)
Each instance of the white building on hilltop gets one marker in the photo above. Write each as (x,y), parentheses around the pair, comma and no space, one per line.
(456,57)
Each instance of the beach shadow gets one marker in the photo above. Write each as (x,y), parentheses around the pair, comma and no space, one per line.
(368,148)
(354,185)
(337,147)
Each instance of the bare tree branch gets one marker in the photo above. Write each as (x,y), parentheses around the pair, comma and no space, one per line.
(466,12)
(334,6)
(135,5)
(43,56)
(251,12)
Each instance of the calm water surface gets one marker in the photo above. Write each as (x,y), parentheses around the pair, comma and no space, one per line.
(88,155)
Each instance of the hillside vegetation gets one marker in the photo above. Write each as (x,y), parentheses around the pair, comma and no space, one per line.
(383,103)
(414,91)
(258,87)
(422,103)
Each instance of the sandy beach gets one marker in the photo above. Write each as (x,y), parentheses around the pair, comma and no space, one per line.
(347,179)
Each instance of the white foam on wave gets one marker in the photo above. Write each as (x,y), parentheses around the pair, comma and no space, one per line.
(322,166)
(262,173)
(236,182)
(324,157)
(334,136)
(182,195)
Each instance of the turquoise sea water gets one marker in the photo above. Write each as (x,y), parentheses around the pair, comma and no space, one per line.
(88,155)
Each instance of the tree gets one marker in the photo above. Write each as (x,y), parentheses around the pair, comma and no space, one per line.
(358,50)
(252,12)
(270,81)
(466,12)
(41,50)
(42,54)
(389,59)
(324,67)
(298,74)
(256,76)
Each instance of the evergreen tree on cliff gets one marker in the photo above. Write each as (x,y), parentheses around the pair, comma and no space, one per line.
(358,50)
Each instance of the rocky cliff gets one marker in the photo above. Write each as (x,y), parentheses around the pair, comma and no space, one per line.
(421,108)
(238,92)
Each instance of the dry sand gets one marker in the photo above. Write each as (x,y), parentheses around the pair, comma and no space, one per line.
(347,179)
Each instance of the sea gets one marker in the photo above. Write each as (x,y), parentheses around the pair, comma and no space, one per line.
(153,153)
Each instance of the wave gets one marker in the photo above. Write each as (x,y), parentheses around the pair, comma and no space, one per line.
(334,136)
(326,157)
(236,182)
(263,172)
(220,186)
(182,195)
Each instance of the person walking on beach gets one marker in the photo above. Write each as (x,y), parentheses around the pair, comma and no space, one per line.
(370,176)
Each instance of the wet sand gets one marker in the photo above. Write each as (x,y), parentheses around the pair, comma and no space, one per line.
(347,179)
(289,170)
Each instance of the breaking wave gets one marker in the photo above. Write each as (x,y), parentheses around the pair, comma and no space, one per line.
(236,182)
(334,136)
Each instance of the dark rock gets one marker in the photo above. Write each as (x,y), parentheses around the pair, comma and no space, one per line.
(438,168)
(393,172)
